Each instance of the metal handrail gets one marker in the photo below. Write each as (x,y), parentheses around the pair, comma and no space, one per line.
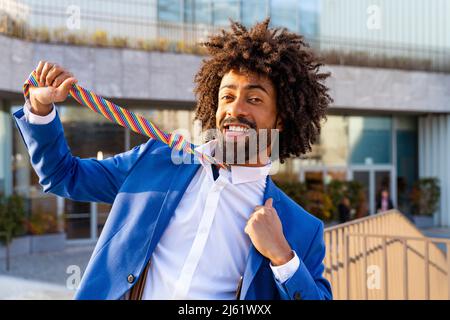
(410,265)
(358,221)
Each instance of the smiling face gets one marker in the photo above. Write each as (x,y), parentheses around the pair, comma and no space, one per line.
(247,106)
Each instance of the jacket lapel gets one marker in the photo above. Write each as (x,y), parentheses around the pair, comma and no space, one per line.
(255,259)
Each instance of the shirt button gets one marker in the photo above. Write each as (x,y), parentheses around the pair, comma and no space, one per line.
(130,278)
(297,296)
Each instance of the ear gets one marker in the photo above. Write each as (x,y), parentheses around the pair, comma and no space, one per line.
(279,124)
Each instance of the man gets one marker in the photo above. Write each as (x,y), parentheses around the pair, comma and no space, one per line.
(191,231)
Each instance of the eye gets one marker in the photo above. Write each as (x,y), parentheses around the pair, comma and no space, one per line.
(255,100)
(226,97)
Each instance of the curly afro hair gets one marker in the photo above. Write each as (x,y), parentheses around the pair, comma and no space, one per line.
(282,56)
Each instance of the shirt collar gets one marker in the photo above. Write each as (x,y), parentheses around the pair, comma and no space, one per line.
(238,174)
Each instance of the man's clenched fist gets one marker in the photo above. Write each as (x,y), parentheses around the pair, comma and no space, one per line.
(266,233)
(54,85)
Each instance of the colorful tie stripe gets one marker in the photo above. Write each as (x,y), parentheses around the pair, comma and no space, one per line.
(126,119)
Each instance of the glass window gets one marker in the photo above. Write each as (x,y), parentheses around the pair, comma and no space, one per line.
(284,13)
(332,147)
(223,10)
(309,18)
(203,12)
(169,10)
(5,153)
(407,160)
(253,11)
(370,140)
(198,11)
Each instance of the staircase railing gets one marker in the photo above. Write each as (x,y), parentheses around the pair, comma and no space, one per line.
(385,256)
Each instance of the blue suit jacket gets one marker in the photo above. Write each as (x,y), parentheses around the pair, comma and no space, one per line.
(145,186)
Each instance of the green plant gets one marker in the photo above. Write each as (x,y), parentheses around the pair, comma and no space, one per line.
(162,45)
(425,196)
(319,204)
(297,191)
(42,222)
(119,42)
(100,38)
(352,190)
(12,217)
(42,35)
(312,198)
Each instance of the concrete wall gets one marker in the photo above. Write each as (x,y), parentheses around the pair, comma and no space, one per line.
(369,89)
(168,77)
(118,73)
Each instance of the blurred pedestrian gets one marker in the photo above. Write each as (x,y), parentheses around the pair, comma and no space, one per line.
(344,210)
(384,202)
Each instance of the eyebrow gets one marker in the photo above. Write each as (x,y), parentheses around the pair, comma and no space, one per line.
(248,87)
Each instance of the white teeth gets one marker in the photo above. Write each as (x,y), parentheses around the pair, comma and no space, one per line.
(237,129)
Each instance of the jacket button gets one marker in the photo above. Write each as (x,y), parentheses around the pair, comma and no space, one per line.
(130,278)
(297,296)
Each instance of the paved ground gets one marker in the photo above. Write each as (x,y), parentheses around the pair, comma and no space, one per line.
(13,288)
(43,276)
(437,232)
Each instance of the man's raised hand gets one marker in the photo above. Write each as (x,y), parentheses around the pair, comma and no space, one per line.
(54,86)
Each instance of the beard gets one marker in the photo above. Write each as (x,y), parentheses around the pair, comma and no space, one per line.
(249,147)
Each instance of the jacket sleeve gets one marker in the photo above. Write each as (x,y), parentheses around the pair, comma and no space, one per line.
(308,282)
(62,174)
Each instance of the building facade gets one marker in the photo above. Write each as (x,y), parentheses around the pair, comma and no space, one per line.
(386,127)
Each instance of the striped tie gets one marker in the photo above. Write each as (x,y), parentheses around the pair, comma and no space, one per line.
(127,119)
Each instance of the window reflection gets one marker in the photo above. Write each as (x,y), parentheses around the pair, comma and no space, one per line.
(253,10)
(224,10)
(285,13)
(370,140)
(169,10)
(332,147)
(407,160)
(299,16)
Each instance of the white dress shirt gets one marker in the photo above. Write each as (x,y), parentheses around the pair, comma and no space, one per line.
(36,119)
(203,252)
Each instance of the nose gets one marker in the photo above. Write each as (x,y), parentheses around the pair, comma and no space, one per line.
(237,108)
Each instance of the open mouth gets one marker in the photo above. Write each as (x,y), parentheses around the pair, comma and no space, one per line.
(235,130)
